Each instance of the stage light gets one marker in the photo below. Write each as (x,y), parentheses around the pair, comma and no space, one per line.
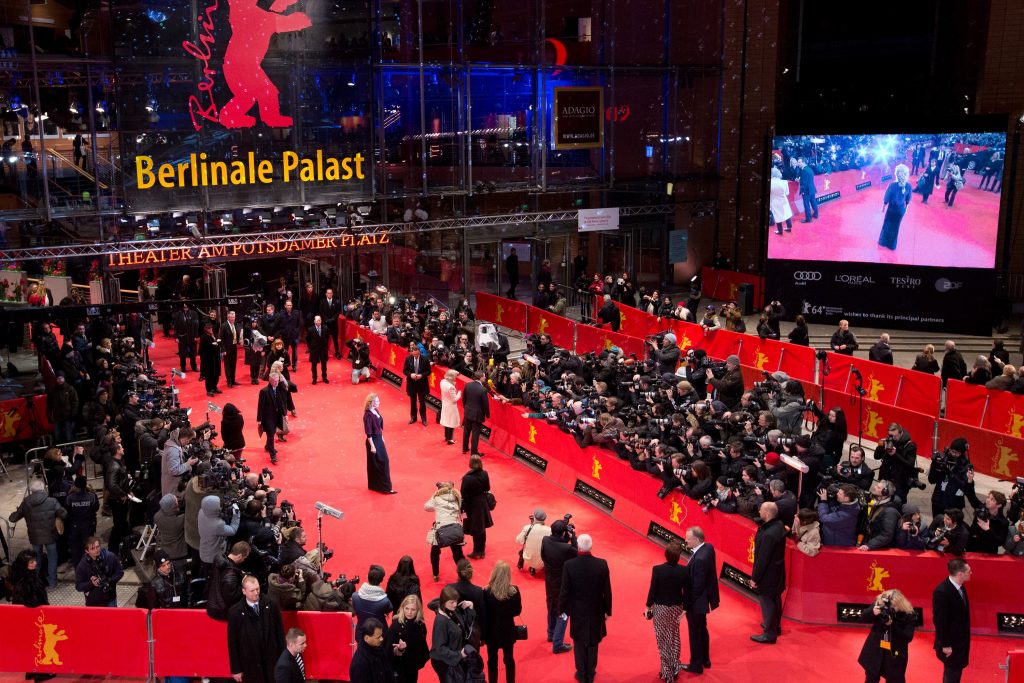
(101,107)
(352,80)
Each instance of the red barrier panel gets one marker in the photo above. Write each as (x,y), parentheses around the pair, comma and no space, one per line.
(817,584)
(68,640)
(504,312)
(992,453)
(636,323)
(1005,413)
(19,420)
(966,403)
(176,633)
(875,419)
(917,391)
(724,284)
(561,330)
(1015,666)
(723,343)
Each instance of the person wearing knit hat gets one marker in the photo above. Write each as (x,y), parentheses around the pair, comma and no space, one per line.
(555,551)
(728,387)
(666,355)
(953,476)
(164,591)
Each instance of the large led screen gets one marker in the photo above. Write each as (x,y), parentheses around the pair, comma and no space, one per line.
(913,200)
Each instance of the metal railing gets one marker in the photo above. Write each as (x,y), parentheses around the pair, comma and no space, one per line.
(34,465)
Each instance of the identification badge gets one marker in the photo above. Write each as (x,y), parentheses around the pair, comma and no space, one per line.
(176,598)
(885,645)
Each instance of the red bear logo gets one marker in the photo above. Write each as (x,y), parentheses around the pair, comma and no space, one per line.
(251,30)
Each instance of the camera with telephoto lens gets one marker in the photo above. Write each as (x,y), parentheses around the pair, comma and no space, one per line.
(982,515)
(705,502)
(717,368)
(914,528)
(569,526)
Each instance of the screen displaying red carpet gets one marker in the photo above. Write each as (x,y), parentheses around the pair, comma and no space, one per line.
(917,200)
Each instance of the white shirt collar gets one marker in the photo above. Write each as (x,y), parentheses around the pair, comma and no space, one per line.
(697,548)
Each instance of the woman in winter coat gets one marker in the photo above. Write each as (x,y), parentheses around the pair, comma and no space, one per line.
(450,396)
(698,481)
(231,425)
(474,489)
(287,589)
(782,212)
(807,532)
(446,504)
(897,628)
(406,641)
(29,590)
(452,628)
(504,603)
(925,361)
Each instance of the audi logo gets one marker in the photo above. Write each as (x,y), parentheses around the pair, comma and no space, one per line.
(807,276)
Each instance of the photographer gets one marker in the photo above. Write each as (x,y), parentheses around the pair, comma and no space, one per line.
(953,475)
(729,388)
(947,533)
(224,584)
(174,464)
(359,355)
(788,407)
(214,532)
(884,654)
(839,519)
(671,473)
(97,575)
(784,500)
(1014,544)
(724,497)
(911,534)
(883,517)
(530,540)
(990,526)
(830,433)
(898,454)
(855,471)
(666,355)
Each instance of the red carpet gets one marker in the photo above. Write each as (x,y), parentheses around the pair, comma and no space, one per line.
(324,460)
(931,234)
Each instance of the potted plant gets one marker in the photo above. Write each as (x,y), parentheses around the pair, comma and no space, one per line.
(56,280)
(95,282)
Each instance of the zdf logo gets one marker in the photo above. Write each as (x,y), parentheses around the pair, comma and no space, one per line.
(945,285)
(807,276)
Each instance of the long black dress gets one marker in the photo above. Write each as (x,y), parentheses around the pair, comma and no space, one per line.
(897,199)
(378,467)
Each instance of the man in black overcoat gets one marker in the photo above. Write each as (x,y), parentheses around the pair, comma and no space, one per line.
(586,597)
(476,408)
(291,324)
(255,635)
(231,335)
(555,551)
(512,272)
(186,329)
(290,667)
(316,342)
(700,598)
(417,384)
(951,614)
(769,573)
(270,413)
(209,359)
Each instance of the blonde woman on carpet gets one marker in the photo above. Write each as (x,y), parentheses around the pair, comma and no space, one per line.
(450,397)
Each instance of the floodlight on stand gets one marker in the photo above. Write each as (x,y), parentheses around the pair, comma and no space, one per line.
(213,407)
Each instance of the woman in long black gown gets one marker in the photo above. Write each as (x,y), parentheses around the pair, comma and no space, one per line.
(897,199)
(378,467)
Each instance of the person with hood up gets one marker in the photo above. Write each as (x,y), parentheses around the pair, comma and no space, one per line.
(41,513)
(213,531)
(174,464)
(170,523)
(231,425)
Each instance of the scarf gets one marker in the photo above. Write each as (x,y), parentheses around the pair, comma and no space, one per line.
(372,593)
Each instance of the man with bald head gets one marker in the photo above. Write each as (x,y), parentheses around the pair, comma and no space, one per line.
(769,573)
(255,635)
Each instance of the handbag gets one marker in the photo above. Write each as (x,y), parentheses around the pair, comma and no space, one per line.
(521,562)
(492,502)
(450,534)
(521,632)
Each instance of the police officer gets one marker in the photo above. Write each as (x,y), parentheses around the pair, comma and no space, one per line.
(82,505)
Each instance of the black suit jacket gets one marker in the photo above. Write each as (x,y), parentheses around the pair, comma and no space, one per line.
(951,615)
(287,669)
(270,409)
(225,335)
(770,558)
(476,403)
(586,597)
(316,343)
(702,596)
(330,310)
(421,385)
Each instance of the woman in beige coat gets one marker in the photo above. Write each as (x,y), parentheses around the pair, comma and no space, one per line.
(450,396)
(807,532)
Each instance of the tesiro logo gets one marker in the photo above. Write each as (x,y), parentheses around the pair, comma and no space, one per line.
(946,285)
(807,276)
(905,282)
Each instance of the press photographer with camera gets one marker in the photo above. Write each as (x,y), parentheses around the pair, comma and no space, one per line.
(556,550)
(911,534)
(173,462)
(990,526)
(839,516)
(898,454)
(663,351)
(883,517)
(787,404)
(729,385)
(953,475)
(98,574)
(885,651)
(530,540)
(947,533)
(854,470)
